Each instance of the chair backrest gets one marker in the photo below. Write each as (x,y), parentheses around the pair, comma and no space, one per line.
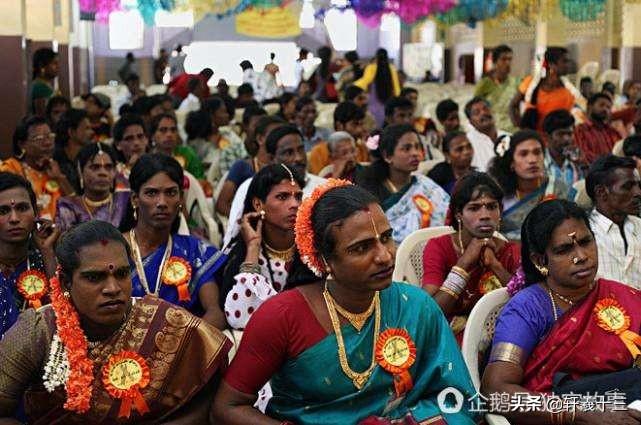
(195,196)
(409,255)
(479,330)
(478,335)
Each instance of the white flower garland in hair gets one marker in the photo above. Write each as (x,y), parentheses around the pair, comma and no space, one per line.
(503,145)
(57,367)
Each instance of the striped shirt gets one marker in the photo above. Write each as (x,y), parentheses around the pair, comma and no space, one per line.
(614,262)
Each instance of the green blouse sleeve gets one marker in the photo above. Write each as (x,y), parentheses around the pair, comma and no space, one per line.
(192,163)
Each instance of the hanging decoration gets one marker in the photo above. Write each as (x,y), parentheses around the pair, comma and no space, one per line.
(528,11)
(412,11)
(582,10)
(471,11)
(148,9)
(275,22)
(99,9)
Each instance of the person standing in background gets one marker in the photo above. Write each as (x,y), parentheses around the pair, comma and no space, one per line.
(45,71)
(381,79)
(177,62)
(160,65)
(498,87)
(127,68)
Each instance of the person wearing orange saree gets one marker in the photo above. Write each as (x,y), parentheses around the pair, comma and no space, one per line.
(97,356)
(568,333)
(545,91)
(33,146)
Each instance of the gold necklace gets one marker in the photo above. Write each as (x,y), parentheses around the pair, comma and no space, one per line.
(96,204)
(89,204)
(356,319)
(140,269)
(391,185)
(285,255)
(358,378)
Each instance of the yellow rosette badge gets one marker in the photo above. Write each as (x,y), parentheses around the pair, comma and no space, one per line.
(124,375)
(396,353)
(177,273)
(52,186)
(32,285)
(425,207)
(612,317)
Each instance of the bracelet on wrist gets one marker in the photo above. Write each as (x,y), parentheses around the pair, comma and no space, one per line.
(249,268)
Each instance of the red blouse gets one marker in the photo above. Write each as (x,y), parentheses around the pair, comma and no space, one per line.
(283,327)
(440,256)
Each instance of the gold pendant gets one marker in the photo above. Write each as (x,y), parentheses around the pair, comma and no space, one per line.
(360,380)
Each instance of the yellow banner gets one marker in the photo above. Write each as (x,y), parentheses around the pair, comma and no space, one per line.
(277,22)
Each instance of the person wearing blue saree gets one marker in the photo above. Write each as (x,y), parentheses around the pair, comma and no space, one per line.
(177,268)
(411,201)
(519,168)
(350,346)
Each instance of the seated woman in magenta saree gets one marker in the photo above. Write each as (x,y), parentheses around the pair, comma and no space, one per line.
(568,333)
(386,364)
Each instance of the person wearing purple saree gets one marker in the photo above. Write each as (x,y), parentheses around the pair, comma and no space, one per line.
(99,201)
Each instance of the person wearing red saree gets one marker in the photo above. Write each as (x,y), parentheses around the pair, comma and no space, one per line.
(98,356)
(564,331)
(458,269)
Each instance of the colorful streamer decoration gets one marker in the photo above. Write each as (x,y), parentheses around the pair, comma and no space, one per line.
(412,11)
(148,9)
(219,8)
(582,10)
(528,11)
(100,9)
(471,11)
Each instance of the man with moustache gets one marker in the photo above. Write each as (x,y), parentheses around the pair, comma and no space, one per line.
(482,133)
(562,158)
(613,186)
(596,137)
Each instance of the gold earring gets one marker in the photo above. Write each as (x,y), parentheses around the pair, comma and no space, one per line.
(135,213)
(66,294)
(262,214)
(180,208)
(542,269)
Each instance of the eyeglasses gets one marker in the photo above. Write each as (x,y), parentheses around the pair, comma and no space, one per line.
(39,139)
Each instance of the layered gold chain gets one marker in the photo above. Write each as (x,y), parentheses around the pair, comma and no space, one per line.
(358,378)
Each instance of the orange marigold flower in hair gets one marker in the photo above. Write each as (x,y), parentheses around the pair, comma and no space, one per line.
(304,230)
(79,384)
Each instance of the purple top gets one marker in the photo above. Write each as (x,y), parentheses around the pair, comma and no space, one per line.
(526,319)
(71,211)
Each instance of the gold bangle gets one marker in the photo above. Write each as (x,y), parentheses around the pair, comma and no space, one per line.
(461,272)
(449,292)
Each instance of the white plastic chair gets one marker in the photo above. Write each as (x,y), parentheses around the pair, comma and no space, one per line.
(196,196)
(408,266)
(477,338)
(409,255)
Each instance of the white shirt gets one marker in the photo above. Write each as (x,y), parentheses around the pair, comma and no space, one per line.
(189,104)
(238,204)
(483,148)
(614,263)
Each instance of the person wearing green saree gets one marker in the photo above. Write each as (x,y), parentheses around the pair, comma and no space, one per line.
(351,347)
(520,171)
(165,140)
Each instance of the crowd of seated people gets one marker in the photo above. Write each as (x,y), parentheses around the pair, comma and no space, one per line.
(117,306)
